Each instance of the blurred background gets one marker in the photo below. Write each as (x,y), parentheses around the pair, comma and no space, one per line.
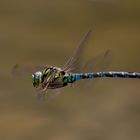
(38,32)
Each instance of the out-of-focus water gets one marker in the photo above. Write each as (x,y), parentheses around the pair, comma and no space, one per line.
(46,32)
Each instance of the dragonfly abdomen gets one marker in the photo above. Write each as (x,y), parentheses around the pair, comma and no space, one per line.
(75,77)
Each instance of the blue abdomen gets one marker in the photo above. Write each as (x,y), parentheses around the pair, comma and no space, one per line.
(75,77)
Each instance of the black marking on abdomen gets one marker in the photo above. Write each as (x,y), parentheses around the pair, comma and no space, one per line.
(107,74)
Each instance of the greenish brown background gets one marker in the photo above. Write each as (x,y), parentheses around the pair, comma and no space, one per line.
(36,32)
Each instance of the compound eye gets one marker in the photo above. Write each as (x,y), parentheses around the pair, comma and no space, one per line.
(37,75)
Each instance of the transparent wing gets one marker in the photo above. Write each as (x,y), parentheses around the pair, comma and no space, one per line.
(98,63)
(23,72)
(49,95)
(74,63)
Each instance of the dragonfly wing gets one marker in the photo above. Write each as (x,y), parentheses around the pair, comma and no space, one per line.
(74,63)
(99,63)
(48,94)
(23,72)
(41,92)
(53,94)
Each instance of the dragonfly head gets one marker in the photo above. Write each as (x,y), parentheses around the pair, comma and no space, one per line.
(37,79)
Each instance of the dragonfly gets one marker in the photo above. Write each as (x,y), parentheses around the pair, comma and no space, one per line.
(52,77)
